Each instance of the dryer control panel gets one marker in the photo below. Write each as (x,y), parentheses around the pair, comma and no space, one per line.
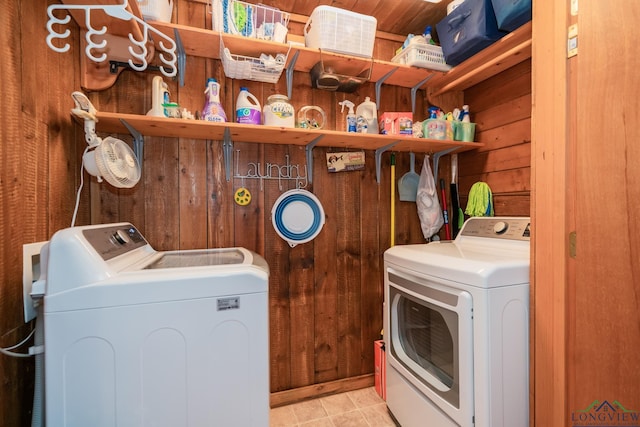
(114,240)
(511,228)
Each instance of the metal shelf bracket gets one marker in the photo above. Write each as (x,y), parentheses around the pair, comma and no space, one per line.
(138,142)
(309,152)
(436,159)
(379,152)
(289,73)
(414,91)
(182,57)
(379,86)
(227,149)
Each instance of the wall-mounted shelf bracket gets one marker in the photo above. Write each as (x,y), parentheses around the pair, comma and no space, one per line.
(289,73)
(379,152)
(414,91)
(138,142)
(309,152)
(227,148)
(182,57)
(379,86)
(436,159)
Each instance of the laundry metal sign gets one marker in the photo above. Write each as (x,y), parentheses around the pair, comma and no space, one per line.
(284,172)
(605,414)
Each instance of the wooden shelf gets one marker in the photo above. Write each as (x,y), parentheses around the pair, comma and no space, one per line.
(510,50)
(505,53)
(206,43)
(199,129)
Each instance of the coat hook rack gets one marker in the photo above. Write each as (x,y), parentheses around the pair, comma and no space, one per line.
(167,46)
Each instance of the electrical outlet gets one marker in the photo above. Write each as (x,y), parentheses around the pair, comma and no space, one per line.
(32,270)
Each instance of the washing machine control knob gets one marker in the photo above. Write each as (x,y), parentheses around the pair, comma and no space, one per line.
(122,237)
(500,227)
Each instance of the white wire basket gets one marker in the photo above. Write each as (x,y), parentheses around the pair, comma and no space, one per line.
(267,68)
(422,55)
(250,20)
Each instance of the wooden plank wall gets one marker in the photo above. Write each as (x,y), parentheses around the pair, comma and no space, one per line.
(39,174)
(325,295)
(501,107)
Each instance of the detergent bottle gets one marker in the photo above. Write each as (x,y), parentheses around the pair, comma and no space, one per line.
(248,108)
(367,117)
(428,38)
(212,110)
(159,96)
(464,114)
(351,116)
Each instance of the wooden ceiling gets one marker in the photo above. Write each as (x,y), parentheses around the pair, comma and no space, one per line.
(394,16)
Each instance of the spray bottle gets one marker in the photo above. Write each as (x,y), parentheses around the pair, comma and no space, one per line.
(212,110)
(159,96)
(351,116)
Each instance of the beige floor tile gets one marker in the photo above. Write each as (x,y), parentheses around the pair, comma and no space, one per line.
(337,404)
(310,410)
(282,417)
(320,422)
(365,397)
(350,419)
(378,416)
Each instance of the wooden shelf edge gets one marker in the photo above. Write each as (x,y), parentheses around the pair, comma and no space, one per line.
(206,43)
(199,129)
(510,50)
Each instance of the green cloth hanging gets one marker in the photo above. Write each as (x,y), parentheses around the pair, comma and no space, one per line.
(480,202)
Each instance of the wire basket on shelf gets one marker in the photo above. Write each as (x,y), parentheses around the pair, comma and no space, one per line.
(422,55)
(267,68)
(250,20)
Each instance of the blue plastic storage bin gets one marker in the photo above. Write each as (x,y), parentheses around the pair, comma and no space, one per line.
(511,14)
(467,30)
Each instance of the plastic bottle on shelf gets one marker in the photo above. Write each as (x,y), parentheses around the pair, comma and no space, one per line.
(367,113)
(212,110)
(248,108)
(428,38)
(351,116)
(159,96)
(464,114)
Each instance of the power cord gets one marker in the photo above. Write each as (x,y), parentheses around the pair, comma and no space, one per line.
(7,351)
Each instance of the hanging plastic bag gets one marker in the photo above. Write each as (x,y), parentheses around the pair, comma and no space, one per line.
(429,211)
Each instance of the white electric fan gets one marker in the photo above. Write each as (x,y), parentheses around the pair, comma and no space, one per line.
(109,158)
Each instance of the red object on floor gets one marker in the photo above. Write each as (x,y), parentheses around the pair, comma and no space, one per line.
(380,374)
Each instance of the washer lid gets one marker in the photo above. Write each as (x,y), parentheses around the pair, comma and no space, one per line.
(297,216)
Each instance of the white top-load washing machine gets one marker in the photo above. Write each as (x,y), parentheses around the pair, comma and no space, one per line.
(137,337)
(456,327)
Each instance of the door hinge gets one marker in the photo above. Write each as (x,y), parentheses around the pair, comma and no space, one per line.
(572,41)
(572,244)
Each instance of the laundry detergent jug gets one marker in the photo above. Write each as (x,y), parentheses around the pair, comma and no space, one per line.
(248,108)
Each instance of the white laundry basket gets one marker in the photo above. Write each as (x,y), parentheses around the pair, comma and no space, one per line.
(156,10)
(342,31)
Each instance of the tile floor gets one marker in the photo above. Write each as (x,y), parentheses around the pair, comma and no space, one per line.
(358,408)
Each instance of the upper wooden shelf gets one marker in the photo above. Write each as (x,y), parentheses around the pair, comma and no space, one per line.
(510,50)
(199,129)
(506,52)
